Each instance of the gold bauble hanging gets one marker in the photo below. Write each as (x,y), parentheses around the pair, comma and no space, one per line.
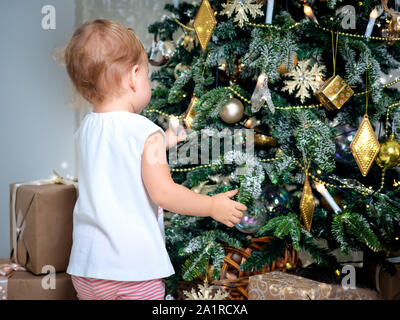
(389,154)
(232,111)
(261,140)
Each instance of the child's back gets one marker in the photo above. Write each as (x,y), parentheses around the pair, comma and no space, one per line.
(116,232)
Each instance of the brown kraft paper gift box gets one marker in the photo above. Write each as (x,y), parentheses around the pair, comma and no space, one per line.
(42,227)
(387,284)
(23,285)
(284,286)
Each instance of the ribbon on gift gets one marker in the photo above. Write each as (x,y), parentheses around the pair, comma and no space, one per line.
(6,271)
(17,220)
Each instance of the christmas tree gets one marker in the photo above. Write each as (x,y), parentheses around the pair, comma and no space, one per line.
(305,93)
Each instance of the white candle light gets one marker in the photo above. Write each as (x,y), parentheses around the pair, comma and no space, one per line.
(261,79)
(174,122)
(270,11)
(176,4)
(372,17)
(310,14)
(325,193)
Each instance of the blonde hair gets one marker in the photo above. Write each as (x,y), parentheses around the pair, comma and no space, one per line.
(98,55)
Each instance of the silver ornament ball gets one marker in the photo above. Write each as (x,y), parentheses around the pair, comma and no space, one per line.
(232,111)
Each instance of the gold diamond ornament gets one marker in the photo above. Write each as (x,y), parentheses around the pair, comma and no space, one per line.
(307,204)
(365,146)
(204,23)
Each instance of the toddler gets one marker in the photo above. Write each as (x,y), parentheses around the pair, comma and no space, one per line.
(118,247)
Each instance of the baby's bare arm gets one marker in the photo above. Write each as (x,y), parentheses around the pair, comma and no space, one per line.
(176,198)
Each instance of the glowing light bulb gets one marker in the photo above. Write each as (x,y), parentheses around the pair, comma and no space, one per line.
(374,14)
(372,17)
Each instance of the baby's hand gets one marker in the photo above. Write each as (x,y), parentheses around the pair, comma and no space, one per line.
(225,210)
(172,138)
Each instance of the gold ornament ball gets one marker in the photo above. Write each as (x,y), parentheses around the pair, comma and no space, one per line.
(261,140)
(232,112)
(179,69)
(282,69)
(389,154)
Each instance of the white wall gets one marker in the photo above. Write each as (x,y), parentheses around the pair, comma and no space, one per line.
(36,125)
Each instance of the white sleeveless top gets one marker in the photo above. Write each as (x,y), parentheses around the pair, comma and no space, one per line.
(116,232)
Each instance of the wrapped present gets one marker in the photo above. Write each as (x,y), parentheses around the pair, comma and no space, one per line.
(388,285)
(385,277)
(18,284)
(41,224)
(334,93)
(284,286)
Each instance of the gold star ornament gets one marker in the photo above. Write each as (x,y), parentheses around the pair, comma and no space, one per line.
(204,23)
(365,146)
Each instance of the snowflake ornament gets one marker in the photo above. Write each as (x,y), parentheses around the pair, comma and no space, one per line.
(205,293)
(242,8)
(305,78)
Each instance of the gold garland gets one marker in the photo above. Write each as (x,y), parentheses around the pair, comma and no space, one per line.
(191,169)
(387,117)
(166,115)
(345,34)
(311,106)
(271,26)
(352,35)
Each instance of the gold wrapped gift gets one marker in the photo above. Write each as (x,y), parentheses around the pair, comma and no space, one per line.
(284,286)
(334,93)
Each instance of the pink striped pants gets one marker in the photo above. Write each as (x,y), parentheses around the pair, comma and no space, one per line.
(98,289)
